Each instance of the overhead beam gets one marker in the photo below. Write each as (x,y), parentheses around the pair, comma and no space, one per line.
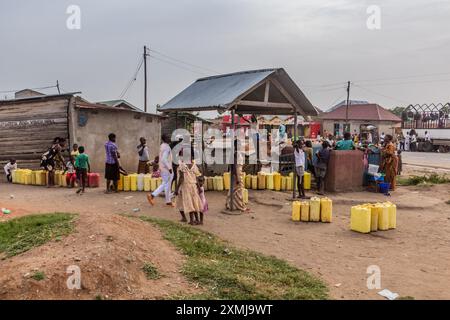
(288,96)
(265,104)
(266,93)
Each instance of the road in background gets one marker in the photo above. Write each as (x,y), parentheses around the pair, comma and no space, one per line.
(427,159)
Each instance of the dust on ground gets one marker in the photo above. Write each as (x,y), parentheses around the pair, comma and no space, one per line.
(413,258)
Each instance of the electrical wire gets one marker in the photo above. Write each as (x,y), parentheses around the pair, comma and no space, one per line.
(183,62)
(179,66)
(133,79)
(379,94)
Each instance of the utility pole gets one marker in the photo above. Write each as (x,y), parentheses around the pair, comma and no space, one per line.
(145,78)
(348,102)
(57,86)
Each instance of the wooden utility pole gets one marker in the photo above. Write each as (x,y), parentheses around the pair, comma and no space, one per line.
(145,78)
(57,86)
(348,102)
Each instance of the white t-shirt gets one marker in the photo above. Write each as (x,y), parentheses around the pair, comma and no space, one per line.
(427,137)
(299,158)
(165,158)
(10,167)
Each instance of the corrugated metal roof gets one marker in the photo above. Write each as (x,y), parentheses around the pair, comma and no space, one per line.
(365,112)
(221,92)
(117,103)
(48,96)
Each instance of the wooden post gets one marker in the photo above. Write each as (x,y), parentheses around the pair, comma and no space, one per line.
(233,166)
(294,177)
(145,78)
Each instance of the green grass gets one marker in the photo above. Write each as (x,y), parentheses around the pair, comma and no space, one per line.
(38,276)
(229,273)
(151,271)
(421,180)
(21,234)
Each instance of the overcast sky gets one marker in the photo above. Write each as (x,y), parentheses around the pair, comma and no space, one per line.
(321,44)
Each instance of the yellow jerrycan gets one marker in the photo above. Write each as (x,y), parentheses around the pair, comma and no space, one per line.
(269,181)
(210,182)
(33,178)
(392,215)
(283,183)
(277,181)
(245,195)
(218,183)
(326,210)
(63,180)
(57,177)
(127,183)
(261,181)
(133,182)
(153,183)
(374,214)
(289,183)
(120,183)
(307,181)
(360,219)
(147,182)
(314,209)
(296,207)
(254,182)
(226,180)
(304,216)
(28,177)
(248,182)
(383,217)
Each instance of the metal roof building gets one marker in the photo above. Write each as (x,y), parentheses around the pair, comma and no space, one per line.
(266,91)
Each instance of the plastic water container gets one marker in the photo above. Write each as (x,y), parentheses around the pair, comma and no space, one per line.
(254,182)
(289,183)
(210,183)
(57,177)
(28,177)
(41,177)
(158,182)
(63,181)
(147,182)
(383,217)
(248,182)
(304,215)
(269,181)
(245,195)
(392,208)
(360,219)
(384,187)
(94,180)
(296,207)
(133,182)
(226,180)
(140,182)
(314,209)
(14,176)
(373,169)
(261,181)
(218,183)
(284,183)
(127,183)
(307,181)
(120,183)
(326,210)
(277,181)
(153,184)
(374,213)
(33,178)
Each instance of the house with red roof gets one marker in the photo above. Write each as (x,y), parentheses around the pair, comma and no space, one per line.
(360,118)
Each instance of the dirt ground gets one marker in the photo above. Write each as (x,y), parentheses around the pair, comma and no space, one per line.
(414,258)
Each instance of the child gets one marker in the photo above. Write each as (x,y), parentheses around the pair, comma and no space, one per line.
(155,168)
(71,176)
(201,193)
(82,167)
(323,156)
(9,168)
(400,163)
(74,153)
(300,158)
(188,198)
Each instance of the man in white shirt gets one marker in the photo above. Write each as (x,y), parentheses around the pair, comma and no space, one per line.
(300,159)
(9,168)
(427,136)
(165,167)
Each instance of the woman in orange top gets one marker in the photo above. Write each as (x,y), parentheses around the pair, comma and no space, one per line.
(389,162)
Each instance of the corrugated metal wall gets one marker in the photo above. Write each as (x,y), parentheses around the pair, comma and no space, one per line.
(27,128)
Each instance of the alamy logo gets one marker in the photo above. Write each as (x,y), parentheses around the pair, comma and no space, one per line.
(74,280)
(374,279)
(374,19)
(73,22)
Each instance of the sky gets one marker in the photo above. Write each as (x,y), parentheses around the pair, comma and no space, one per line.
(322,44)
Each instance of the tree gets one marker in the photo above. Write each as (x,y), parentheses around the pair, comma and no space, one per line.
(398,111)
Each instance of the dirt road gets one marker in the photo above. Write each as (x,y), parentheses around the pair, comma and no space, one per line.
(414,258)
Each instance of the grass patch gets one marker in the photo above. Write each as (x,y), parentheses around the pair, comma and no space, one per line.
(38,276)
(433,178)
(151,272)
(21,234)
(229,273)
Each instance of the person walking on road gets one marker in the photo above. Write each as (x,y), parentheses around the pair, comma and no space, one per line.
(165,167)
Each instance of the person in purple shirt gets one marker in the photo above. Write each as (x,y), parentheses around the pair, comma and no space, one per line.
(112,173)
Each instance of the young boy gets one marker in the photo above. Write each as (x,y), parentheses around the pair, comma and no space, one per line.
(74,153)
(82,168)
(71,176)
(9,167)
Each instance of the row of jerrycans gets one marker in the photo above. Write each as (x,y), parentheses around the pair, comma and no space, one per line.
(371,217)
(138,182)
(314,210)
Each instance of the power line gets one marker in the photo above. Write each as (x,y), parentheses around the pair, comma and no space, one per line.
(40,88)
(179,66)
(184,62)
(133,79)
(406,77)
(379,94)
